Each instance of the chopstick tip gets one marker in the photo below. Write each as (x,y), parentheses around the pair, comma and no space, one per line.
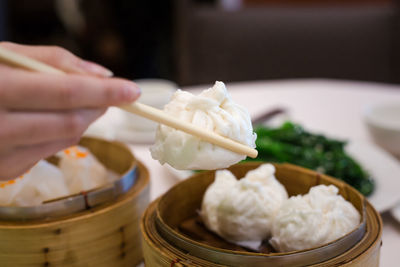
(253,153)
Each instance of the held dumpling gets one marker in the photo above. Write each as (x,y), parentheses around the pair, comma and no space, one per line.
(81,170)
(243,210)
(314,219)
(213,110)
(43,182)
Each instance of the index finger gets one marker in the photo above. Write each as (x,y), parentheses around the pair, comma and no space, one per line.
(60,58)
(21,90)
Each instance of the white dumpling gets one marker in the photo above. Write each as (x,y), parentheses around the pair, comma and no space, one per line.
(43,182)
(243,210)
(224,181)
(9,191)
(314,219)
(213,110)
(81,170)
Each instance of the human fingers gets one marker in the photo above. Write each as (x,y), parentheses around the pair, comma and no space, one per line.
(21,89)
(60,58)
(19,160)
(28,128)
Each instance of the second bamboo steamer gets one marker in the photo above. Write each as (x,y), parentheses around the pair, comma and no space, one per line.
(165,245)
(105,235)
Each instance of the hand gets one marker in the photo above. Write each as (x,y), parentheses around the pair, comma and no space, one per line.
(41,114)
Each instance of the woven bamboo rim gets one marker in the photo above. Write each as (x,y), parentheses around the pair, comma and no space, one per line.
(125,167)
(158,251)
(106,235)
(297,180)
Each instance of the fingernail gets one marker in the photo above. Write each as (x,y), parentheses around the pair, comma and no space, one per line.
(95,69)
(131,92)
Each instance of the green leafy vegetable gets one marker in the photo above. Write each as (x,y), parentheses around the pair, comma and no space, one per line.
(291,143)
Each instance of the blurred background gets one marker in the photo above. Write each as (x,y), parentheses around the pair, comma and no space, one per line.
(200,41)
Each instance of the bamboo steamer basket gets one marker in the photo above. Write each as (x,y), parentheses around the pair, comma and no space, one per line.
(165,245)
(105,235)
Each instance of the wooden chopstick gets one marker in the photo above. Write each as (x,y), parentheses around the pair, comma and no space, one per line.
(11,58)
(211,137)
(17,60)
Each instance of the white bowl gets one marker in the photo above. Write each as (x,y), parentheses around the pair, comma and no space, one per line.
(383,122)
(155,93)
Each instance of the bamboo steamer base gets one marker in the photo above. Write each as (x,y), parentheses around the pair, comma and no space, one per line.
(107,235)
(158,251)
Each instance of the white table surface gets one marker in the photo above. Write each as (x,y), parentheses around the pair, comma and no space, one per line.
(326,106)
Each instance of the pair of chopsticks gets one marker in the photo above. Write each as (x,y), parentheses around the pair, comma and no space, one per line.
(20,61)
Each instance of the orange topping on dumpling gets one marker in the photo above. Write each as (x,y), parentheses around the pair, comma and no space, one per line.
(9,182)
(75,152)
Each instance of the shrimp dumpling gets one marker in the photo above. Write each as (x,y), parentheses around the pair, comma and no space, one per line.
(41,183)
(10,190)
(81,169)
(213,110)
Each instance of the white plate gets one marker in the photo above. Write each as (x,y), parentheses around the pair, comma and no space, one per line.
(125,134)
(382,166)
(180,175)
(112,126)
(396,213)
(384,169)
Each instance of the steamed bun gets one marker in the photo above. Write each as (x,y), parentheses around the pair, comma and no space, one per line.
(214,110)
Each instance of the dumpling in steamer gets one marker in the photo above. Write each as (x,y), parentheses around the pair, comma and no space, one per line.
(243,210)
(43,182)
(313,219)
(82,171)
(224,180)
(213,110)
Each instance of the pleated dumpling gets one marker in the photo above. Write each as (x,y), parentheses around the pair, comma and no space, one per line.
(213,110)
(311,220)
(243,210)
